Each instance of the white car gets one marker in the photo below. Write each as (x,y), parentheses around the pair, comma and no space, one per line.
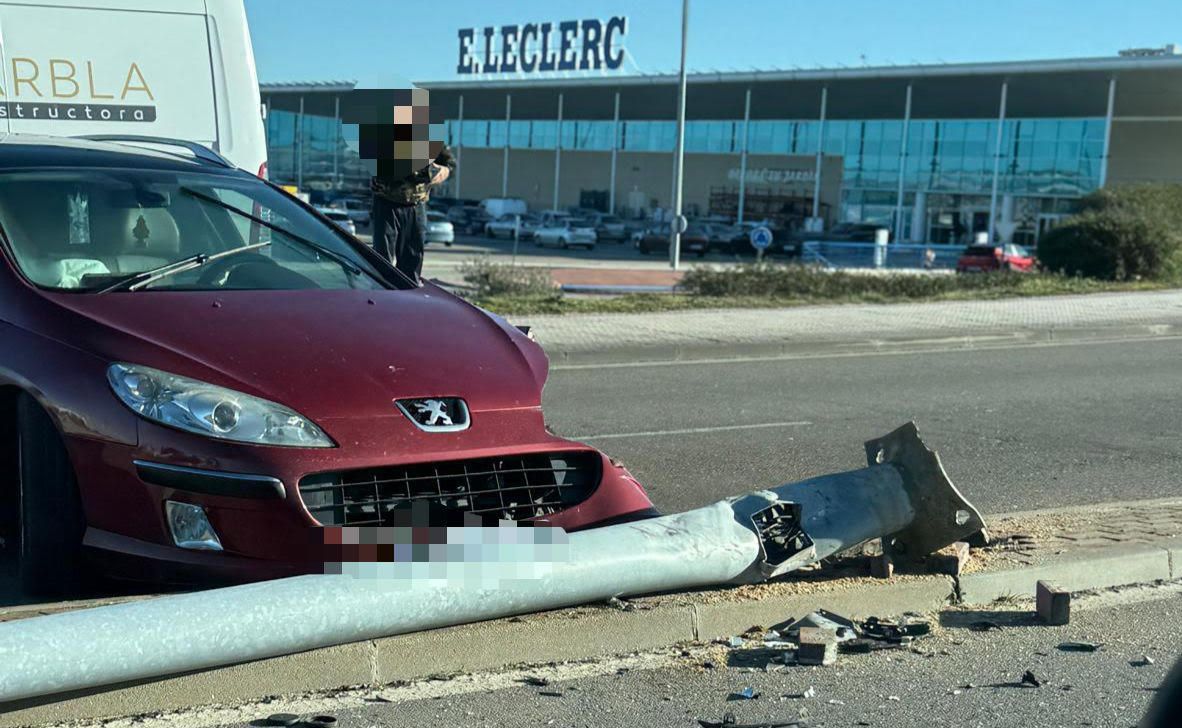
(504,226)
(440,229)
(356,209)
(565,233)
(340,218)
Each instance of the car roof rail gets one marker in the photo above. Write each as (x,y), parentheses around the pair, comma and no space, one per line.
(200,151)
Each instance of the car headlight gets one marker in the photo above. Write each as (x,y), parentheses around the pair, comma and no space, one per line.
(209,410)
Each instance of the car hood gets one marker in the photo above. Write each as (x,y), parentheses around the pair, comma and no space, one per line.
(326,354)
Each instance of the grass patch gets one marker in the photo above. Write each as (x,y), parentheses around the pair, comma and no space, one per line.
(522,291)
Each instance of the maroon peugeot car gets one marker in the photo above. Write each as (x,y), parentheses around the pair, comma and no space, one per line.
(200,377)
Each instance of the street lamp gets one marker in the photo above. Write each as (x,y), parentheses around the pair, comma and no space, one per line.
(678,223)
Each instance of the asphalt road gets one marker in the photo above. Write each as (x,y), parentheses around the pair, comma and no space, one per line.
(1017,429)
(956,677)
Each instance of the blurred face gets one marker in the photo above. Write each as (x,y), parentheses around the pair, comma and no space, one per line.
(399,136)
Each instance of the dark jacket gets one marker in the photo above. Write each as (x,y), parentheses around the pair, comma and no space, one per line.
(413,188)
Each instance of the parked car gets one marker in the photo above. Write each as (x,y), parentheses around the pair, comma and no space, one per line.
(340,218)
(852,232)
(983,258)
(199,399)
(468,220)
(357,209)
(440,229)
(609,227)
(565,233)
(498,207)
(656,240)
(504,226)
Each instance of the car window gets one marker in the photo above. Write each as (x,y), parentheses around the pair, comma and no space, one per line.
(84,229)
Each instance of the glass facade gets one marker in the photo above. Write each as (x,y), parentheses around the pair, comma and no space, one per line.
(1059,157)
(329,157)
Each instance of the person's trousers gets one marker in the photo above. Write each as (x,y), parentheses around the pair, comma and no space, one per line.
(399,234)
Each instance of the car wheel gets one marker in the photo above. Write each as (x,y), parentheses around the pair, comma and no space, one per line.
(52,524)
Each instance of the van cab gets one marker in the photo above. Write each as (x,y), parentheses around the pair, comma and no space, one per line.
(178,69)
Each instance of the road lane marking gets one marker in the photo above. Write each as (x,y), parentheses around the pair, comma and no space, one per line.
(964,349)
(691,430)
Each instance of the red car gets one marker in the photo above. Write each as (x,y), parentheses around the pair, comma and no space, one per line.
(982,258)
(200,377)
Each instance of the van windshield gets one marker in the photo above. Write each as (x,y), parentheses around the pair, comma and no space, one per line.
(87,230)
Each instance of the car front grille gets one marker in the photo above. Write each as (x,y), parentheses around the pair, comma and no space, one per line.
(514,487)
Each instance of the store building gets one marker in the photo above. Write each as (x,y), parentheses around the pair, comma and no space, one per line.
(934,152)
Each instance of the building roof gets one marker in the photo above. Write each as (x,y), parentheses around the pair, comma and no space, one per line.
(1035,89)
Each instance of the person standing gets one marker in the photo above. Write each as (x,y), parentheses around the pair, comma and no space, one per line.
(403,183)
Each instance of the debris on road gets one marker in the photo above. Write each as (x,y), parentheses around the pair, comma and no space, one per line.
(950,560)
(729,721)
(1029,678)
(817,646)
(1079,646)
(984,625)
(282,719)
(1052,603)
(747,693)
(1144,661)
(534,680)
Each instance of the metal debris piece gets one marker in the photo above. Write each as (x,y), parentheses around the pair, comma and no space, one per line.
(810,692)
(843,629)
(620,604)
(538,682)
(1079,646)
(1029,678)
(747,693)
(324,720)
(550,693)
(284,719)
(893,697)
(1144,661)
(729,721)
(900,632)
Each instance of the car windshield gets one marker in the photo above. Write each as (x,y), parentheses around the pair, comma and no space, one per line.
(88,229)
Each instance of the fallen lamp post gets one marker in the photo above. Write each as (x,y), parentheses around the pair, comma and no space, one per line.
(903,497)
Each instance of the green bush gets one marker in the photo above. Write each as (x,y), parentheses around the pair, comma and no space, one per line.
(1131,232)
(500,279)
(810,283)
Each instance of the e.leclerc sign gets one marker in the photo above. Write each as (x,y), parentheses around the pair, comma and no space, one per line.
(570,45)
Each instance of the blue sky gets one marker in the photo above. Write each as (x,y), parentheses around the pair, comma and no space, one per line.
(380,41)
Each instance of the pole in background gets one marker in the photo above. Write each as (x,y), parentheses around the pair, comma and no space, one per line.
(820,153)
(336,144)
(611,192)
(459,146)
(902,169)
(505,154)
(1001,120)
(1108,130)
(300,147)
(743,160)
(679,155)
(558,155)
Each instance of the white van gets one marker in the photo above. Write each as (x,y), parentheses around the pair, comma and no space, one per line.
(181,69)
(497,207)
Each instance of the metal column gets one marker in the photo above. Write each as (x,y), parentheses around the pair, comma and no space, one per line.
(505,155)
(1108,130)
(300,147)
(1001,120)
(902,169)
(558,155)
(743,157)
(459,145)
(679,155)
(820,153)
(611,192)
(336,142)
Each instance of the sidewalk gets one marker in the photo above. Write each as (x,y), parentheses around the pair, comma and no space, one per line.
(1080,549)
(720,333)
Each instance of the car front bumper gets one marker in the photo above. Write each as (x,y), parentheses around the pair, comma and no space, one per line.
(251,495)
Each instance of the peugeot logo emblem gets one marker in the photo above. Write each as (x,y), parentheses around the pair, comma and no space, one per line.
(436,414)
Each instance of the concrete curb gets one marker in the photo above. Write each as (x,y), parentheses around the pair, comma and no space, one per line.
(698,351)
(589,632)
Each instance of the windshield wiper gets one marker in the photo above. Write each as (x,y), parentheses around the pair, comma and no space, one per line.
(135,281)
(341,260)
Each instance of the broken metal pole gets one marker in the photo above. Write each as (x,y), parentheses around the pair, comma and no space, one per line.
(903,497)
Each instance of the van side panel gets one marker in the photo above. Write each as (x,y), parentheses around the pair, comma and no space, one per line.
(77,70)
(241,136)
